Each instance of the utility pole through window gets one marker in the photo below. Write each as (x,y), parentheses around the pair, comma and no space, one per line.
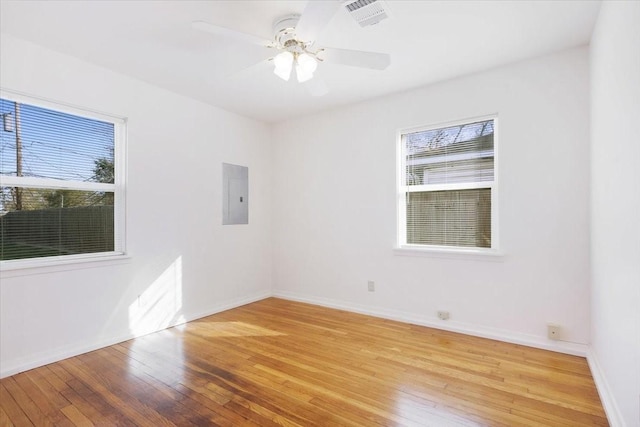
(18,191)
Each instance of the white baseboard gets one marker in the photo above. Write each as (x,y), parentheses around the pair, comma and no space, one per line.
(449,325)
(608,402)
(9,368)
(15,367)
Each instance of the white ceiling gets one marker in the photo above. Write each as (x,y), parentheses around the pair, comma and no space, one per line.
(428,41)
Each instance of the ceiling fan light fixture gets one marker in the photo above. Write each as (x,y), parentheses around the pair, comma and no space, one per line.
(283,64)
(305,67)
(303,75)
(307,62)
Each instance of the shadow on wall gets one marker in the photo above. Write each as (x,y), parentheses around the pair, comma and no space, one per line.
(160,305)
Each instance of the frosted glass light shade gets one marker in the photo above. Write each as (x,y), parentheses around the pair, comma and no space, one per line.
(283,64)
(307,62)
(305,66)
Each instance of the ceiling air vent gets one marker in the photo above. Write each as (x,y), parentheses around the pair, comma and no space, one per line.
(366,12)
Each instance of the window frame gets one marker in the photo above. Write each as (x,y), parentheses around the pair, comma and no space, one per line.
(118,187)
(404,248)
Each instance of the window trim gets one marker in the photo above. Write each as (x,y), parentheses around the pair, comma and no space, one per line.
(403,248)
(118,187)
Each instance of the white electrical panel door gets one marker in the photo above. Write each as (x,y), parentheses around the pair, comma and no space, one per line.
(235,194)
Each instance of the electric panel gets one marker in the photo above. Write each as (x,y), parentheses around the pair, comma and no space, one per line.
(235,194)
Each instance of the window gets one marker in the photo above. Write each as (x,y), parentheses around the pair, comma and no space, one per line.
(447,192)
(61,182)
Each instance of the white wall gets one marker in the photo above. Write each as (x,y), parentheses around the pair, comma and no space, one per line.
(335,206)
(615,209)
(183,263)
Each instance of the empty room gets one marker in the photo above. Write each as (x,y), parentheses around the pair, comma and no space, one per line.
(331,213)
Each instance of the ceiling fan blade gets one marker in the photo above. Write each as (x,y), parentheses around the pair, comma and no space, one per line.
(315,17)
(316,87)
(232,34)
(251,71)
(356,58)
(247,70)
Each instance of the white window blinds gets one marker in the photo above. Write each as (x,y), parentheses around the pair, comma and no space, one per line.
(448,185)
(58,189)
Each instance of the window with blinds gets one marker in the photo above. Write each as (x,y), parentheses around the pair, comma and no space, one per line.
(447,193)
(60,182)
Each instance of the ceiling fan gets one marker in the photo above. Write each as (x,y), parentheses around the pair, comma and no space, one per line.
(294,42)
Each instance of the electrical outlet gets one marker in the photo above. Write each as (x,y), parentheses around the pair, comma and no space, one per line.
(372,285)
(553,331)
(443,315)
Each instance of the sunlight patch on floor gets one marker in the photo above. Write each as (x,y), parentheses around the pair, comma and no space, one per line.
(428,412)
(232,329)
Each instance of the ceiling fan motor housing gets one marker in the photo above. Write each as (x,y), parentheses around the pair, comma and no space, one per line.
(284,29)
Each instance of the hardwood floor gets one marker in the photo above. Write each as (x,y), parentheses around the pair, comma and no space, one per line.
(277,362)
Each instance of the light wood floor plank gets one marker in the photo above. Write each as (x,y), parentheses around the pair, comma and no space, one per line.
(13,413)
(283,363)
(76,417)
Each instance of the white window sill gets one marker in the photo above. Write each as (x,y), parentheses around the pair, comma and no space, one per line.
(452,253)
(25,267)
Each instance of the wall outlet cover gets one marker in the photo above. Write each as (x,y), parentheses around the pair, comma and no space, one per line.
(553,331)
(443,315)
